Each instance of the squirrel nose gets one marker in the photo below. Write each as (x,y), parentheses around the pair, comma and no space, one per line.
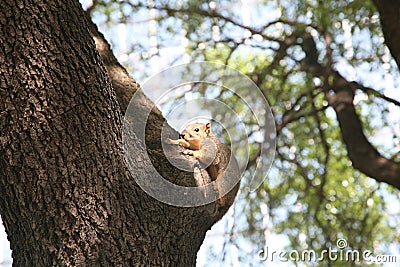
(182,135)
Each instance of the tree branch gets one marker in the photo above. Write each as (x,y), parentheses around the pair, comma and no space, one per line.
(360,151)
(389,11)
(124,85)
(362,154)
(370,91)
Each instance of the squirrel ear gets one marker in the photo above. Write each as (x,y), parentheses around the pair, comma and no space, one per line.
(208,128)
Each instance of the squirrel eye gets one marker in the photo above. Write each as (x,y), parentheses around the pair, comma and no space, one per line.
(196,130)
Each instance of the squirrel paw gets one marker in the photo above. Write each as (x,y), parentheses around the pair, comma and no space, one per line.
(188,152)
(180,142)
(169,141)
(221,201)
(193,153)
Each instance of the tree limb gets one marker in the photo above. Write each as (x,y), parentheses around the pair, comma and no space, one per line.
(124,85)
(362,154)
(389,12)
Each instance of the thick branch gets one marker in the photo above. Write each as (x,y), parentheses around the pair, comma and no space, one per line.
(124,85)
(363,155)
(389,11)
(361,152)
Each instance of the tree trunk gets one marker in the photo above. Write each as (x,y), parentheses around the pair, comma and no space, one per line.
(67,197)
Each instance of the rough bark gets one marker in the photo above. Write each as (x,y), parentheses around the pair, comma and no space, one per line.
(124,84)
(389,12)
(67,198)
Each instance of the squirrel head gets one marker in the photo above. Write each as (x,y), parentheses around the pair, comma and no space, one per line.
(195,133)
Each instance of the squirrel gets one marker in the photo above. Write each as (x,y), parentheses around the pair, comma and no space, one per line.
(204,146)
